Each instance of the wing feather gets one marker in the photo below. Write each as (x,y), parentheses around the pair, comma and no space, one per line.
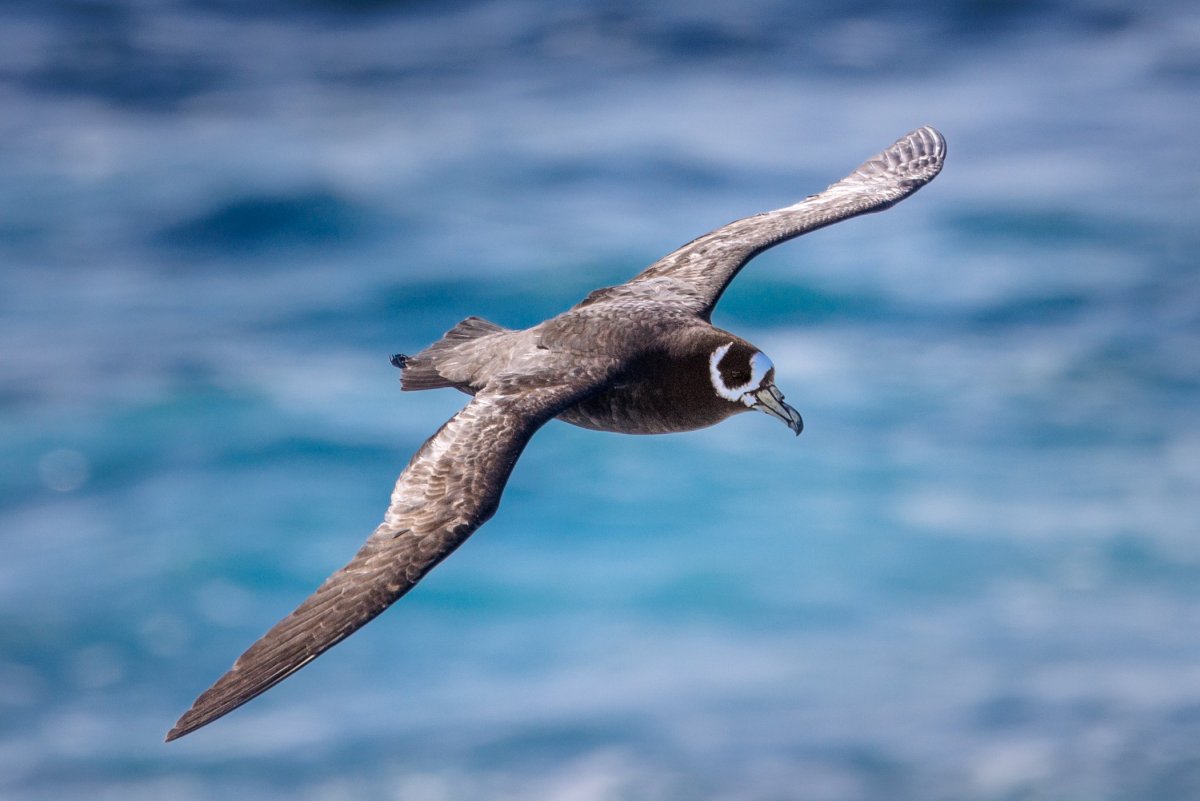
(697,274)
(450,488)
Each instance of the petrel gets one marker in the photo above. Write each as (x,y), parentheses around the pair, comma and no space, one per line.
(638,358)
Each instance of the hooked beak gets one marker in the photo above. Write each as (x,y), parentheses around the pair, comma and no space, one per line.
(770,400)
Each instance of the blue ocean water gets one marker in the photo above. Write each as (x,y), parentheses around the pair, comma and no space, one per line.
(975,576)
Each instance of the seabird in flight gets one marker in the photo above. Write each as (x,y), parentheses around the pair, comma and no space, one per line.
(638,358)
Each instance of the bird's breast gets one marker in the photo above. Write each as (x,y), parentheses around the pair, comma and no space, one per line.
(654,399)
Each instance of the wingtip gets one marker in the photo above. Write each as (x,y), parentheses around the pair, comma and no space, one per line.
(912,161)
(185,725)
(932,139)
(177,731)
(213,703)
(925,141)
(925,144)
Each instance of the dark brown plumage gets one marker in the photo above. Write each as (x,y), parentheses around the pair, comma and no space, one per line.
(638,358)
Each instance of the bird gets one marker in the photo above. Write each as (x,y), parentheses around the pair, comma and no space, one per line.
(640,357)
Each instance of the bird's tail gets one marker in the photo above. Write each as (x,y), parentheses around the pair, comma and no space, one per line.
(432,367)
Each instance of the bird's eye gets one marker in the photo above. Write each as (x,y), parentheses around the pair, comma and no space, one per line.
(735,368)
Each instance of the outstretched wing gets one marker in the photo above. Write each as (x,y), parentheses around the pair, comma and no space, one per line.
(449,489)
(697,273)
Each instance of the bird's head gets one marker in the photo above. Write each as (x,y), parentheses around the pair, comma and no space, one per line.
(742,374)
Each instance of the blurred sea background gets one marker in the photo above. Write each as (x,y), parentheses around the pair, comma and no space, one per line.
(975,576)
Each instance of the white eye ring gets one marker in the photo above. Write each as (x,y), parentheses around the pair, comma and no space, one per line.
(760,365)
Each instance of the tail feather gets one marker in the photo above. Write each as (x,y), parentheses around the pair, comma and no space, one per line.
(421,371)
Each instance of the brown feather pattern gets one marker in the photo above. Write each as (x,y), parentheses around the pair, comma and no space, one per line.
(633,358)
(449,489)
(697,274)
